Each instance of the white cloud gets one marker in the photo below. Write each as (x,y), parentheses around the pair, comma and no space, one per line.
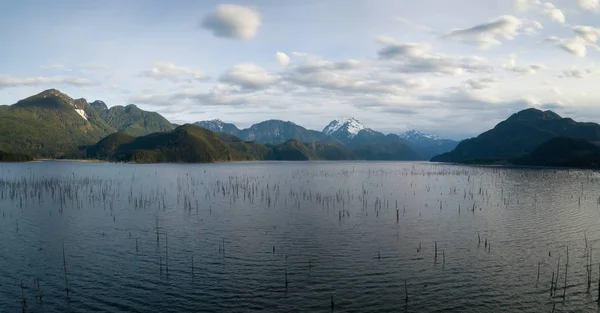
(481,83)
(282,58)
(591,34)
(233,21)
(249,76)
(527,69)
(40,80)
(397,50)
(440,64)
(556,14)
(299,54)
(524,5)
(488,34)
(576,73)
(574,46)
(591,5)
(173,72)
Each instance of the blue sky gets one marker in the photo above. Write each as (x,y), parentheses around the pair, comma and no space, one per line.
(453,68)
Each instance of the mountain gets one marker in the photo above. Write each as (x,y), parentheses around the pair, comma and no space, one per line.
(50,125)
(194,144)
(519,135)
(368,144)
(295,150)
(131,119)
(219,126)
(372,145)
(276,131)
(426,145)
(563,152)
(271,132)
(344,129)
(99,106)
(187,144)
(14,157)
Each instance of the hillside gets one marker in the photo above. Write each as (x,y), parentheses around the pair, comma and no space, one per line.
(563,152)
(219,126)
(50,125)
(14,157)
(194,144)
(294,150)
(187,144)
(519,135)
(132,120)
(269,132)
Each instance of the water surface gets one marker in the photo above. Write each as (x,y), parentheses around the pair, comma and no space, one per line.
(347,230)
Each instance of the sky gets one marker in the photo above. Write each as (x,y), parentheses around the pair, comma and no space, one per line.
(452,68)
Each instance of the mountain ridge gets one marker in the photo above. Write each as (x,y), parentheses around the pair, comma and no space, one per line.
(519,135)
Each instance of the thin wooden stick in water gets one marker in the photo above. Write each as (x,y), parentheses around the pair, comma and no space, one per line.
(443,258)
(406,291)
(39,289)
(566,271)
(435,257)
(65,268)
(598,284)
(557,271)
(192,265)
(332,304)
(167,252)
(552,284)
(22,298)
(538,275)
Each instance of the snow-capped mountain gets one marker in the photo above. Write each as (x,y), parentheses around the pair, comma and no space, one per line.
(344,129)
(428,145)
(414,134)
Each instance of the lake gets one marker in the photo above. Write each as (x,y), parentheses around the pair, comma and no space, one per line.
(292,236)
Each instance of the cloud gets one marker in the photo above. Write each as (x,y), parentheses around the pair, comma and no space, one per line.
(232,21)
(172,72)
(575,73)
(249,76)
(528,69)
(532,27)
(299,54)
(34,81)
(440,64)
(591,5)
(481,83)
(590,34)
(488,34)
(396,50)
(576,46)
(282,58)
(556,14)
(524,5)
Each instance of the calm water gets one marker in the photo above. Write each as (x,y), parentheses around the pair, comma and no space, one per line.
(348,230)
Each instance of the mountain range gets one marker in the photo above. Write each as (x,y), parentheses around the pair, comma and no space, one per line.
(532,137)
(367,143)
(131,119)
(54,125)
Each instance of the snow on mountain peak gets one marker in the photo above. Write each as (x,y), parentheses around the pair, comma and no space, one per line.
(349,125)
(415,134)
(82,113)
